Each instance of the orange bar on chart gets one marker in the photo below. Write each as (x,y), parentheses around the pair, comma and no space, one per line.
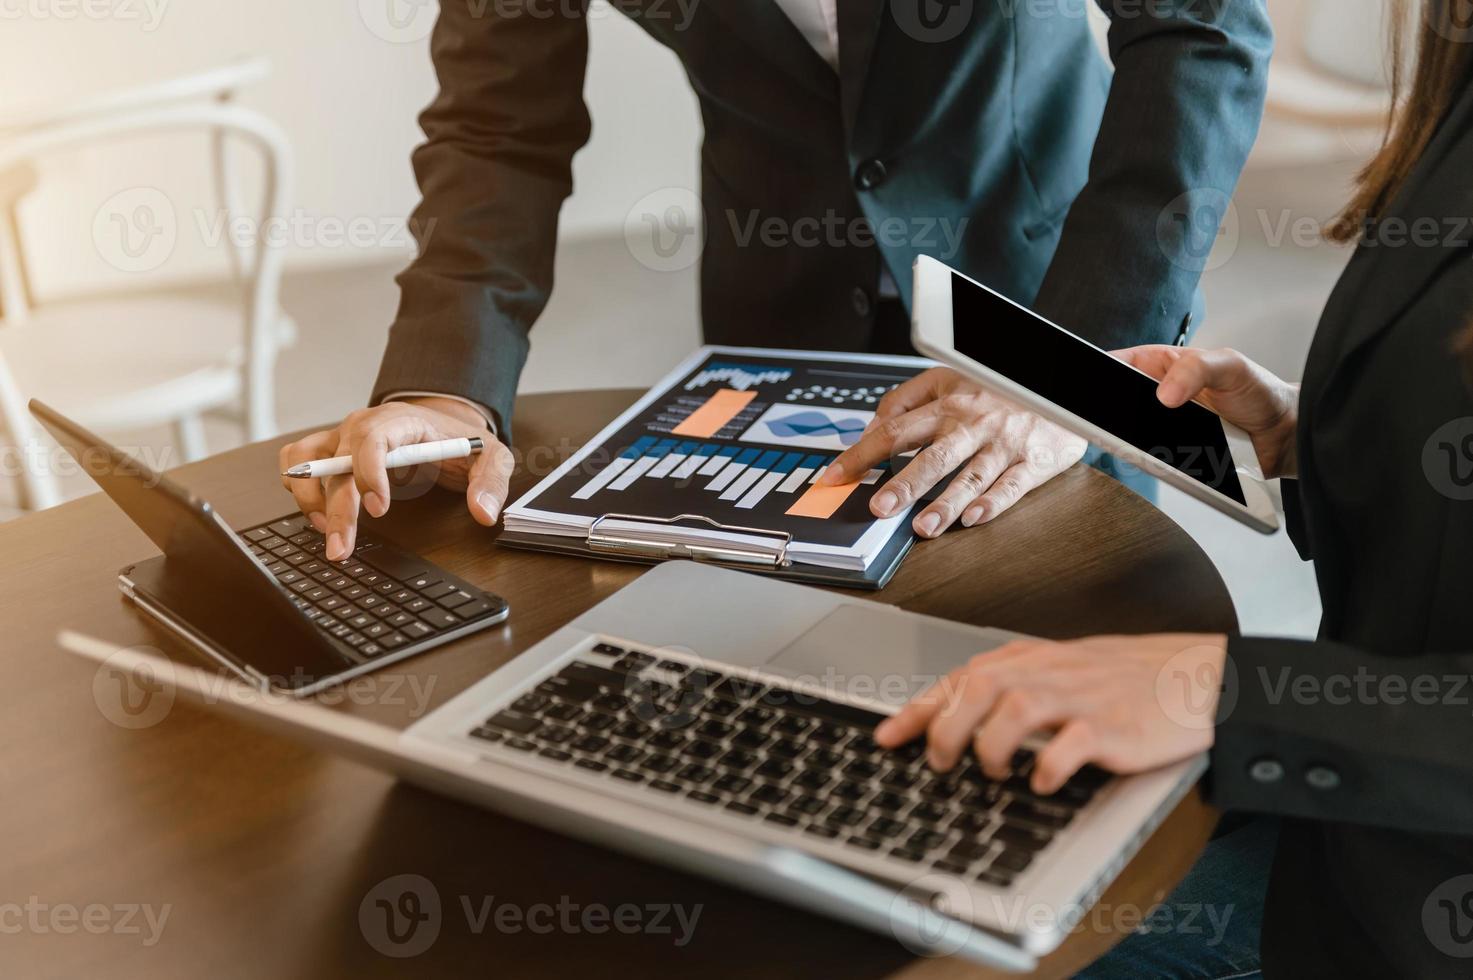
(719,409)
(821,502)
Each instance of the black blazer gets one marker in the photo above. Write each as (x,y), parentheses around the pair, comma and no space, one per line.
(1371,757)
(1095,201)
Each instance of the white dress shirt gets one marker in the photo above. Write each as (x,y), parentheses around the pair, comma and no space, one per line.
(818,20)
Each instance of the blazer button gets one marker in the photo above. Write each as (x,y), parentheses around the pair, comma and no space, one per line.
(1266,771)
(1322,778)
(871,174)
(1186,329)
(859,299)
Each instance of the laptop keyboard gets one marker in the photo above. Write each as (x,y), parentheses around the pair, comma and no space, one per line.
(786,758)
(375,602)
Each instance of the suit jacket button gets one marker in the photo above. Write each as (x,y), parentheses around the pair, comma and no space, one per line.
(871,174)
(859,299)
(1184,334)
(1266,770)
(1322,778)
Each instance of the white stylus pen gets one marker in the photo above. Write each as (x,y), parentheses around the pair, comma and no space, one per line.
(424,452)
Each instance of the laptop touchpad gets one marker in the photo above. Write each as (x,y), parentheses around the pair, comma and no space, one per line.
(880,653)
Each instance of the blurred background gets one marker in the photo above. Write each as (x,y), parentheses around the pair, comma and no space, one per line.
(135,291)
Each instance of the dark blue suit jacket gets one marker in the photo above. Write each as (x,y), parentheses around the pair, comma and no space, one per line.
(987,133)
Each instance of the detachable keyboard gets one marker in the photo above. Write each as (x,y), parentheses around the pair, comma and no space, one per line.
(791,759)
(381,600)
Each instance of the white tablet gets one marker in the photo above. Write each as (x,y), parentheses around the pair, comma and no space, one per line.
(1071,382)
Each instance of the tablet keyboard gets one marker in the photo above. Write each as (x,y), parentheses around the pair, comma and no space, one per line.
(376,602)
(789,759)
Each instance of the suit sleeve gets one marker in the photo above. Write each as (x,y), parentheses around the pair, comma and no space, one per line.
(1182,113)
(1323,731)
(493,171)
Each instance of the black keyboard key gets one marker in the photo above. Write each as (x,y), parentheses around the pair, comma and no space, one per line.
(1022,838)
(969,851)
(814,779)
(416,605)
(556,734)
(257,534)
(597,721)
(416,631)
(628,775)
(824,759)
(999,878)
(863,843)
(775,769)
(660,764)
(556,755)
(610,702)
(906,854)
(474,610)
(529,703)
(791,724)
(928,812)
(438,618)
(608,650)
(756,716)
(827,734)
(807,805)
(702,680)
(393,641)
(739,760)
(673,666)
(422,581)
(781,819)
(452,601)
(850,790)
(702,797)
(664,786)
(750,739)
(846,816)
(623,753)
(633,662)
(1021,813)
(743,808)
(592,765)
(512,722)
(897,778)
(722,707)
(740,689)
(1013,861)
(888,802)
(862,744)
(699,748)
(886,827)
(862,769)
(488,734)
(785,749)
(696,773)
(769,794)
(596,676)
(821,830)
(590,743)
(668,741)
(926,840)
(630,728)
(731,783)
(520,744)
(714,728)
(940,788)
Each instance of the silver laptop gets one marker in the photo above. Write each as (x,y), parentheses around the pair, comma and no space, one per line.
(720,722)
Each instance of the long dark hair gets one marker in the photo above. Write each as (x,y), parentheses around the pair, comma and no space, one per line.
(1444,67)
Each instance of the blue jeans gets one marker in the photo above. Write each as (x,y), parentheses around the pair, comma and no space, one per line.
(1208,929)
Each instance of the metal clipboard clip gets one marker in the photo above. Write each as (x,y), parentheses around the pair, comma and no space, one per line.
(624,542)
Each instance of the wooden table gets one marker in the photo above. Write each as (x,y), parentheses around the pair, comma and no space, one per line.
(262,850)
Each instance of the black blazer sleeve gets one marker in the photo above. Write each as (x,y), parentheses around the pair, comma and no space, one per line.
(1328,732)
(1182,114)
(493,172)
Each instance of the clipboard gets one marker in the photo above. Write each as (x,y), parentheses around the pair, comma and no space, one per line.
(627,544)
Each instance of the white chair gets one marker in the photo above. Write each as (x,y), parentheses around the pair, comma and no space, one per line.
(139,360)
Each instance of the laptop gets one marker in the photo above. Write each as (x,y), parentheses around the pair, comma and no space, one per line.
(265,601)
(720,722)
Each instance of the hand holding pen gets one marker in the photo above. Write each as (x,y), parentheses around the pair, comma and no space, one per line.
(378,439)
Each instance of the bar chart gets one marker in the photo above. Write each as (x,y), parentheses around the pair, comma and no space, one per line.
(742,478)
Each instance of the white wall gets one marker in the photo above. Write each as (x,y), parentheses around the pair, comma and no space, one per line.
(347,86)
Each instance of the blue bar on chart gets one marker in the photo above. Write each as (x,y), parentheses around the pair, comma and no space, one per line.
(677,456)
(751,475)
(734,469)
(726,455)
(697,459)
(768,481)
(616,466)
(804,472)
(644,464)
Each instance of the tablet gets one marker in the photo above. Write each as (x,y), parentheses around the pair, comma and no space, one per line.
(1071,382)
